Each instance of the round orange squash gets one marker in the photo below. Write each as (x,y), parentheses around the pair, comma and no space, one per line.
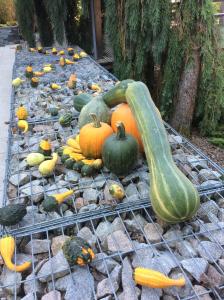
(124,114)
(92,137)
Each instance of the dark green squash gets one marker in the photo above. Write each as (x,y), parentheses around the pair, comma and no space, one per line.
(120,152)
(88,170)
(49,203)
(78,166)
(116,95)
(12,214)
(53,111)
(60,151)
(65,120)
(69,163)
(64,157)
(81,100)
(77,251)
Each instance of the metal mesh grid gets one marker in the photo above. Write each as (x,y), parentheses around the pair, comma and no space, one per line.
(161,251)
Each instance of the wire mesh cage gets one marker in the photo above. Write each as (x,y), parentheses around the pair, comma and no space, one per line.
(123,240)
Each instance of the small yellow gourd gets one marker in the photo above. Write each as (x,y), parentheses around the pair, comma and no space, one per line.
(46,168)
(155,279)
(54,51)
(77,156)
(38,73)
(116,191)
(47,69)
(74,144)
(17,81)
(82,54)
(55,86)
(22,124)
(45,147)
(34,159)
(62,61)
(51,202)
(7,248)
(69,62)
(21,113)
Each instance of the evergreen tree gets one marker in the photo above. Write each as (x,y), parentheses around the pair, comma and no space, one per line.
(43,24)
(25,18)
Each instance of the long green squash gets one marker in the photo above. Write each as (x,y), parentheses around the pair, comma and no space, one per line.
(174,198)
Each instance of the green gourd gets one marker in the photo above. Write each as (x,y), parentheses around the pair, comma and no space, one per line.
(65,120)
(81,100)
(95,106)
(120,152)
(12,214)
(173,197)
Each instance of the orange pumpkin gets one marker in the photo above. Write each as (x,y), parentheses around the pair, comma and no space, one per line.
(124,114)
(92,137)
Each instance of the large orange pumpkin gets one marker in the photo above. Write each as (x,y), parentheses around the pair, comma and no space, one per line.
(124,114)
(92,137)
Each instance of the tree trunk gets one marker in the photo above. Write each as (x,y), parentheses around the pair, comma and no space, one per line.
(185,104)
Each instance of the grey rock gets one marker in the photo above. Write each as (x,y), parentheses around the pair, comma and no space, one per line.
(132,192)
(142,257)
(217,235)
(136,224)
(195,266)
(175,139)
(221,263)
(204,294)
(209,251)
(153,232)
(57,243)
(196,162)
(117,224)
(163,262)
(103,230)
(11,280)
(36,246)
(214,277)
(207,210)
(206,174)
(221,215)
(36,193)
(128,284)
(151,294)
(57,265)
(210,184)
(185,249)
(20,179)
(99,182)
(118,241)
(116,274)
(172,236)
(182,292)
(32,285)
(90,195)
(72,176)
(143,189)
(130,178)
(85,182)
(29,296)
(87,235)
(32,217)
(81,287)
(104,288)
(88,207)
(103,263)
(53,295)
(179,157)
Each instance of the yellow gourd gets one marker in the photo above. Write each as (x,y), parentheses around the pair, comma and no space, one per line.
(21,113)
(94,87)
(155,279)
(47,69)
(116,191)
(17,81)
(55,86)
(47,167)
(62,61)
(7,248)
(69,62)
(22,124)
(34,159)
(77,156)
(72,81)
(74,144)
(82,54)
(54,51)
(62,196)
(38,73)
(62,52)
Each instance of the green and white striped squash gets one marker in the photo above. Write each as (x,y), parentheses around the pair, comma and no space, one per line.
(174,198)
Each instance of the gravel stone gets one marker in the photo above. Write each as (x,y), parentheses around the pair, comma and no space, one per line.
(142,257)
(151,294)
(143,189)
(136,224)
(9,278)
(20,179)
(201,290)
(57,243)
(153,232)
(88,207)
(29,296)
(90,195)
(209,251)
(195,266)
(214,278)
(53,295)
(185,249)
(205,174)
(116,274)
(118,241)
(132,192)
(128,284)
(130,178)
(173,237)
(104,288)
(72,176)
(87,235)
(210,184)
(103,230)
(58,265)
(103,264)
(221,263)
(99,182)
(217,235)
(33,286)
(36,193)
(207,209)
(39,246)
(196,162)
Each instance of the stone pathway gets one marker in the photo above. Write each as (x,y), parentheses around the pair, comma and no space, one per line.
(7,57)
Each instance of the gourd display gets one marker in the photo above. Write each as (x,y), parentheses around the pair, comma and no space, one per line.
(45,147)
(65,120)
(124,114)
(92,137)
(116,95)
(12,214)
(51,203)
(34,159)
(22,124)
(81,100)
(34,82)
(120,152)
(116,191)
(77,251)
(21,113)
(155,279)
(7,249)
(97,107)
(173,197)
(29,71)
(46,168)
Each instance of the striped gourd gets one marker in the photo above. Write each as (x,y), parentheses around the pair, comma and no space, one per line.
(174,198)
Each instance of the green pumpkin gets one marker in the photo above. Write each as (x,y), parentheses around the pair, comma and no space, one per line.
(69,163)
(65,120)
(120,152)
(95,106)
(12,214)
(49,203)
(88,170)
(53,111)
(64,157)
(60,151)
(81,100)
(78,166)
(77,251)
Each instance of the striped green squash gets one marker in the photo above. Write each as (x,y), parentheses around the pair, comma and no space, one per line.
(174,198)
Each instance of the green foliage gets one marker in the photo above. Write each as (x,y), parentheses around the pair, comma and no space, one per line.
(57,12)
(217,141)
(25,17)
(71,24)
(43,24)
